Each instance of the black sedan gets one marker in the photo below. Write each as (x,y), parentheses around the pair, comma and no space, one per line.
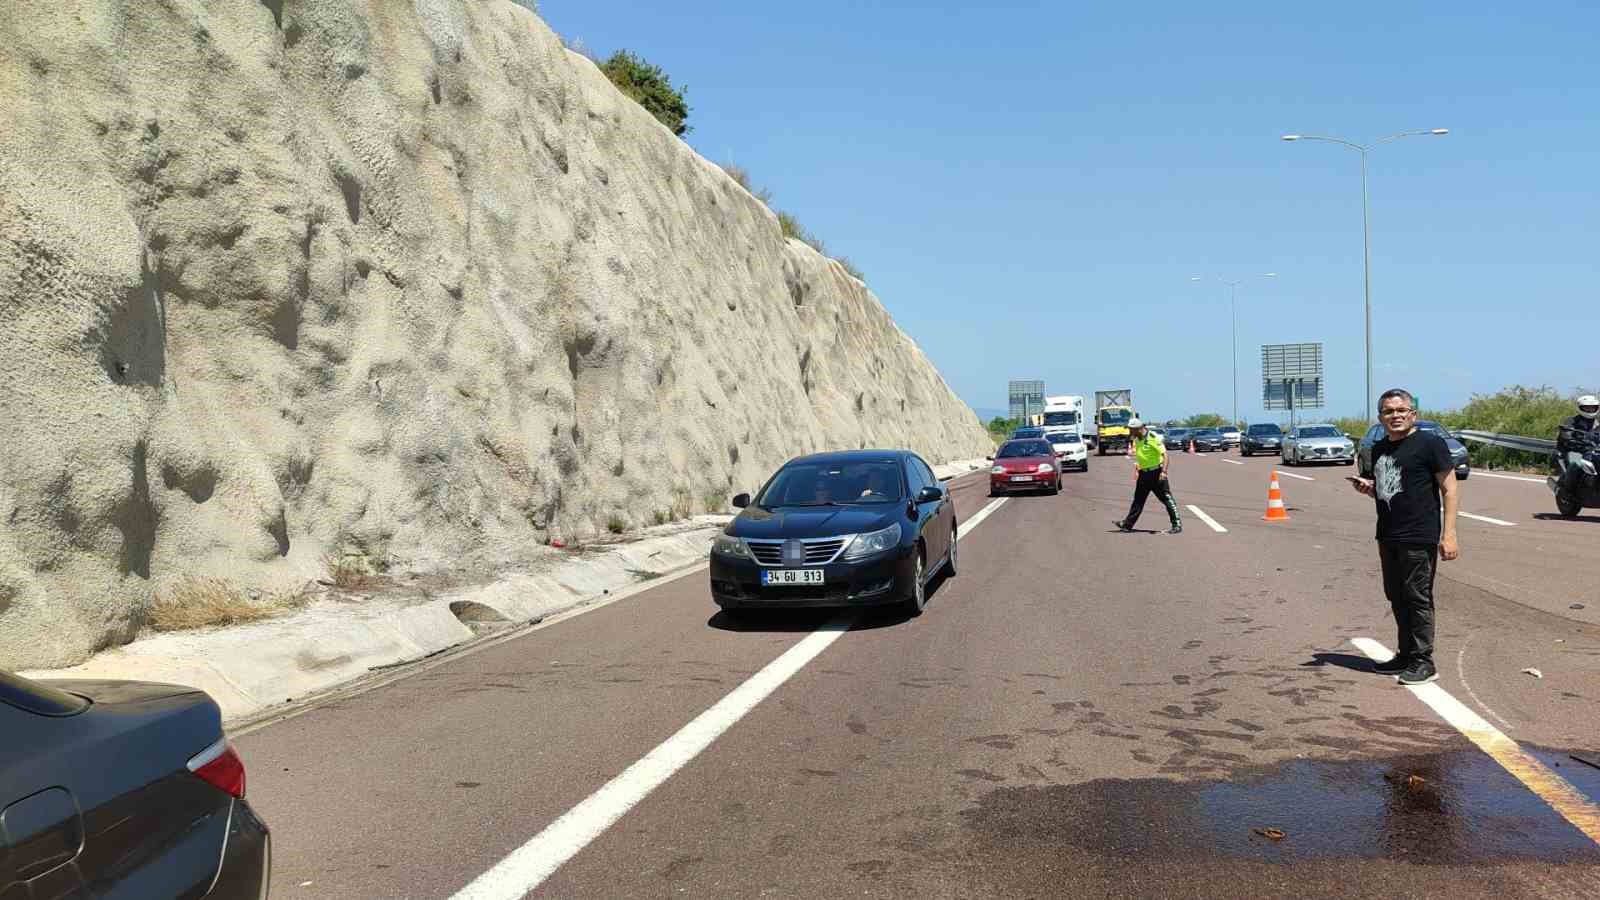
(1458,450)
(1175,438)
(1207,439)
(853,529)
(1262,437)
(122,789)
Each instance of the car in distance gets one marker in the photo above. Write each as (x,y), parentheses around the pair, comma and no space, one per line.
(122,789)
(1025,465)
(1230,434)
(1317,443)
(1458,450)
(854,529)
(1176,438)
(1207,439)
(1071,452)
(1027,431)
(1262,437)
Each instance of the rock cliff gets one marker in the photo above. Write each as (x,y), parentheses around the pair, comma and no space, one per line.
(411,281)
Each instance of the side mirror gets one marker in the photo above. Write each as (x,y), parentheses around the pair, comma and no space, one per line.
(741,501)
(930,494)
(989,458)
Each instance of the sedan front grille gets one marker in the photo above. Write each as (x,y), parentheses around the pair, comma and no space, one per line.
(817,551)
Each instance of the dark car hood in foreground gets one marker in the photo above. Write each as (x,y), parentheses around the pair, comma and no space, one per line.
(813,521)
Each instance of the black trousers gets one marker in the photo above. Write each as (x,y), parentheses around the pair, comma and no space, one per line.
(1408,571)
(1151,482)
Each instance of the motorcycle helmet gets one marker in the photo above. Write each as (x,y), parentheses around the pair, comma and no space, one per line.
(1589,406)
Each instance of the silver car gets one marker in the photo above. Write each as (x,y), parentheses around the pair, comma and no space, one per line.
(1318,443)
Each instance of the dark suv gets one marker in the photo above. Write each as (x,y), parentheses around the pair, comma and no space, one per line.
(1263,438)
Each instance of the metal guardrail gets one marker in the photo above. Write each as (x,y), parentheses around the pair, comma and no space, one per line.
(1509,441)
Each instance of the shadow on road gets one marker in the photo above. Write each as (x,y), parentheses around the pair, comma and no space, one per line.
(1342,660)
(790,621)
(1557,517)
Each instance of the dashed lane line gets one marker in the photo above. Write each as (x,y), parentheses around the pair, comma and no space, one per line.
(1482,474)
(1207,519)
(1491,521)
(1233,462)
(526,867)
(1557,792)
(1293,475)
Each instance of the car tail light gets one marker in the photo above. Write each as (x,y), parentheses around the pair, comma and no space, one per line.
(219,765)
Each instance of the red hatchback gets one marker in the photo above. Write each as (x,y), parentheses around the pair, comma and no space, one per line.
(1027,464)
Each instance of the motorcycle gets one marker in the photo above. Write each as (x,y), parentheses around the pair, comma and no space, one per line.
(1586,490)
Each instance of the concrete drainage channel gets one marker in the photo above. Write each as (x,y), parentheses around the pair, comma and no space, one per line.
(269,671)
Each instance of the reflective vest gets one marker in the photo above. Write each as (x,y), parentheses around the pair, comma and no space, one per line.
(1148,451)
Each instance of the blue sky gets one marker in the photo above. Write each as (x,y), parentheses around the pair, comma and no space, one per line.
(1030,186)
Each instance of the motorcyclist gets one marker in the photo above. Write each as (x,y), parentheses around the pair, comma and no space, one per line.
(1573,438)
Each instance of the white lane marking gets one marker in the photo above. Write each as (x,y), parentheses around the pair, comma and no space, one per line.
(1461,672)
(1487,519)
(980,515)
(1293,475)
(1207,519)
(1482,474)
(1233,462)
(1554,790)
(526,867)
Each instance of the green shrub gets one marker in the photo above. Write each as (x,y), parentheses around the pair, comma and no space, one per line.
(742,176)
(1205,420)
(616,524)
(650,88)
(1519,410)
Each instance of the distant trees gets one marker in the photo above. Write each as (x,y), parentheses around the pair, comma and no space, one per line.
(1205,420)
(650,88)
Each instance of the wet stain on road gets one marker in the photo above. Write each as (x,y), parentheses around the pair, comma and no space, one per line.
(1450,808)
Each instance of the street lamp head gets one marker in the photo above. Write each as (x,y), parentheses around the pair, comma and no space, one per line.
(1291,137)
(1440,131)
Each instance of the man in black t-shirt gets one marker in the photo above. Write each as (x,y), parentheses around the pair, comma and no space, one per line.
(1411,471)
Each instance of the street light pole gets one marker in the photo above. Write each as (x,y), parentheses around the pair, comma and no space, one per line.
(1233,313)
(1366,233)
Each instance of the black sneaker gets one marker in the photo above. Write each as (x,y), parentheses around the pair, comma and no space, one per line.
(1122,526)
(1394,666)
(1419,672)
(1177,528)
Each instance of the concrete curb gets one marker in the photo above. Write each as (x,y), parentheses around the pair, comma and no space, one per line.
(267,670)
(255,670)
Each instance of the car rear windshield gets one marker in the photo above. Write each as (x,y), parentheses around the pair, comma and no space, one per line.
(1207,432)
(1266,429)
(1066,437)
(821,484)
(31,696)
(1015,449)
(1320,431)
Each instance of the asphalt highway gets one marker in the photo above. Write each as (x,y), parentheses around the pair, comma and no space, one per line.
(1078,713)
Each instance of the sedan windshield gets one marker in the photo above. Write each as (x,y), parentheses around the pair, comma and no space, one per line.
(1321,431)
(1024,448)
(828,484)
(1266,429)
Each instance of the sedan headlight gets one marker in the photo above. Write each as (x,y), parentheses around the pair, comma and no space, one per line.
(1046,468)
(728,545)
(997,470)
(873,542)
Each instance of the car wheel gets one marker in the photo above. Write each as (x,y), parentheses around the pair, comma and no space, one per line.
(1056,487)
(1461,474)
(917,600)
(950,558)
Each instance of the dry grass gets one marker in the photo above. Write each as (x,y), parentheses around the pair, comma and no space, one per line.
(352,573)
(207,602)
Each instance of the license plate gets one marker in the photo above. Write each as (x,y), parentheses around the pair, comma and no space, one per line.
(1022,478)
(790,577)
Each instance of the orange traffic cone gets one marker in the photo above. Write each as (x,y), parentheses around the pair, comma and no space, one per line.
(1275,510)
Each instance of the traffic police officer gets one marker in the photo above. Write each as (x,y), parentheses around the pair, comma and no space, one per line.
(1150,454)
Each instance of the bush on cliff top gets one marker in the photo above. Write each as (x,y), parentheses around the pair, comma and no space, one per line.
(650,88)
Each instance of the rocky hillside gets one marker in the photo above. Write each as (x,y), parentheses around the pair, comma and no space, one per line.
(408,281)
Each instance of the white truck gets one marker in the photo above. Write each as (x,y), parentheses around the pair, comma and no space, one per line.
(1064,413)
